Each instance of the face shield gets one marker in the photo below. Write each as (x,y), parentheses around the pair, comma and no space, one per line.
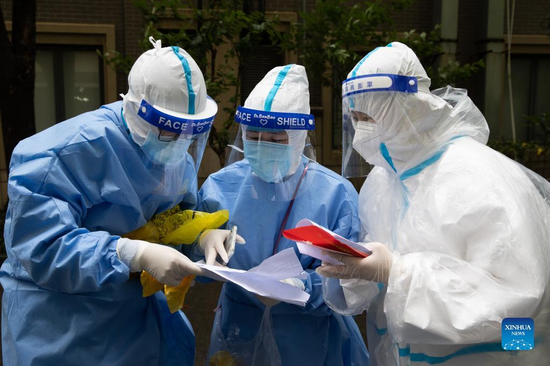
(368,121)
(171,137)
(408,124)
(167,110)
(272,127)
(272,142)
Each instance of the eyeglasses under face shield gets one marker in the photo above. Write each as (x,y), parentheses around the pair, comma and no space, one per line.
(172,137)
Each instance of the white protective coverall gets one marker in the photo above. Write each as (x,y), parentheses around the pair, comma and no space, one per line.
(467,226)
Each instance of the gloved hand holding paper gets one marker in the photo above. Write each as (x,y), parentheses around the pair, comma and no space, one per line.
(313,239)
(265,279)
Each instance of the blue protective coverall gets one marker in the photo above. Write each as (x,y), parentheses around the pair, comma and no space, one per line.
(314,335)
(68,300)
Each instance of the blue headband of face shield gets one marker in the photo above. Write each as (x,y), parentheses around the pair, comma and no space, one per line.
(171,123)
(274,120)
(379,82)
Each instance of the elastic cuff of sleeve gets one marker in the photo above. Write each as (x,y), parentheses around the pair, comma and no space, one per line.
(201,237)
(397,270)
(126,250)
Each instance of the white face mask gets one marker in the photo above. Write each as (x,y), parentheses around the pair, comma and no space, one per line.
(367,139)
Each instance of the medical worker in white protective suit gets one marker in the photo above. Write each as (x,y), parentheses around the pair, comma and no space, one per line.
(74,190)
(459,233)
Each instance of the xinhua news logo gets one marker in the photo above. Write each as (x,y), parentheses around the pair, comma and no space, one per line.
(518,334)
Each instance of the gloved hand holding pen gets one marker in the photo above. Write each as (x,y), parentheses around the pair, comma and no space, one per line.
(212,244)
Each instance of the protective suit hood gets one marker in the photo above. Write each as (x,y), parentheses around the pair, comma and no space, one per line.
(411,123)
(170,80)
(279,103)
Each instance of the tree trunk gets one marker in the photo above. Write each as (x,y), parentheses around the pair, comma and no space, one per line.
(17,74)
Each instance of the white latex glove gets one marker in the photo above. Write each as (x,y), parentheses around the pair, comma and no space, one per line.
(296,282)
(212,244)
(376,267)
(165,264)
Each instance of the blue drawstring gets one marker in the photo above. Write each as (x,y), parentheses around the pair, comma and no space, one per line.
(413,171)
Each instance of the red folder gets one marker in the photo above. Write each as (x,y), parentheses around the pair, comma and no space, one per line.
(321,238)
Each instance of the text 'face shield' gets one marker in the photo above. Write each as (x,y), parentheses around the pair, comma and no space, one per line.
(273,142)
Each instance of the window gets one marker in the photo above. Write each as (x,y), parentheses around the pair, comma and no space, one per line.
(64,72)
(69,81)
(531,92)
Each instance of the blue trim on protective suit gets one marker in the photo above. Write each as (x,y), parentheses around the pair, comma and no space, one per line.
(426,163)
(187,72)
(420,167)
(386,155)
(276,86)
(356,69)
(434,360)
(413,171)
(417,169)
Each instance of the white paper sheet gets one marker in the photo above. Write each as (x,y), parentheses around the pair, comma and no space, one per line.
(317,253)
(264,280)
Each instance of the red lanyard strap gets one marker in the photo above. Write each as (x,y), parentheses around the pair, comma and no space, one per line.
(287,214)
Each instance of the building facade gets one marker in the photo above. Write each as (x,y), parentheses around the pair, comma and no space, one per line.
(71,78)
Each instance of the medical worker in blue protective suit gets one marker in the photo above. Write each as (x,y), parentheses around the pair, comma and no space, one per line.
(459,233)
(74,189)
(273,188)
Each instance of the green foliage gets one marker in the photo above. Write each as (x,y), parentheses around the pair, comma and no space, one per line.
(334,36)
(117,61)
(454,72)
(541,128)
(427,48)
(524,151)
(330,40)
(218,24)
